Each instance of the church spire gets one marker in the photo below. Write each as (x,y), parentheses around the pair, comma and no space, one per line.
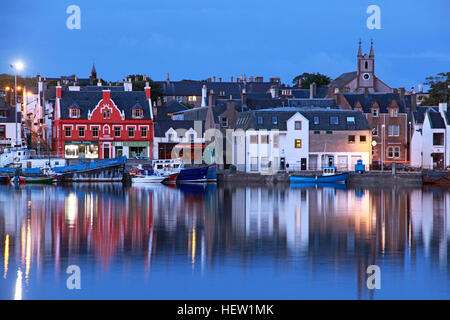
(359,49)
(371,54)
(93,71)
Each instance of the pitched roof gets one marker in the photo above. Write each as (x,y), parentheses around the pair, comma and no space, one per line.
(419,113)
(264,119)
(87,100)
(162,126)
(186,88)
(436,121)
(343,79)
(382,99)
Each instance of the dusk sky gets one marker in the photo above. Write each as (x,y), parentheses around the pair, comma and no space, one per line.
(198,39)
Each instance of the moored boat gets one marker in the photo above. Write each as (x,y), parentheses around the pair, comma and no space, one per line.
(171,179)
(4,179)
(329,175)
(192,175)
(146,179)
(211,175)
(35,180)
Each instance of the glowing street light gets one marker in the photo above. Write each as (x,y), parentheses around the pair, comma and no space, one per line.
(16,66)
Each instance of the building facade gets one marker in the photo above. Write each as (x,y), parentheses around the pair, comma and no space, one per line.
(102,124)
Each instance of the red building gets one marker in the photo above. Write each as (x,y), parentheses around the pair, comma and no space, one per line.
(99,123)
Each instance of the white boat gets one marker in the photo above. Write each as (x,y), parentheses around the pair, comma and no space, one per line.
(147,179)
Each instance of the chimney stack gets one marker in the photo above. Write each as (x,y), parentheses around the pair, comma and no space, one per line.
(147,90)
(231,79)
(402,93)
(214,78)
(274,92)
(167,77)
(220,79)
(312,90)
(212,98)
(244,97)
(59,90)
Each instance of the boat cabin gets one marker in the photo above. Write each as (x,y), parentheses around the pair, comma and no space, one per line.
(329,171)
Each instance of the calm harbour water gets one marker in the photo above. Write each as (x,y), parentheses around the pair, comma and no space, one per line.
(223,242)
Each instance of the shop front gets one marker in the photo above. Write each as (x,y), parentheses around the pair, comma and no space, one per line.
(133,149)
(81,149)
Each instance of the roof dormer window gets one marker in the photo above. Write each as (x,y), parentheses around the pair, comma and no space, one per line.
(74,113)
(138,113)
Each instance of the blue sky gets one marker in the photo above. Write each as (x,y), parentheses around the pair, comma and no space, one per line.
(198,39)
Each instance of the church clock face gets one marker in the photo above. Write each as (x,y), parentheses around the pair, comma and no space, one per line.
(366,76)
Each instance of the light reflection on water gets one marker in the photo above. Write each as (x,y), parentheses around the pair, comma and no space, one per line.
(224,242)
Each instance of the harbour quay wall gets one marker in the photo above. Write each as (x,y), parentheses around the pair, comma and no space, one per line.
(372,178)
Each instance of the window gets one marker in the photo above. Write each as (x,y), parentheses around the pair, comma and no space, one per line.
(170,136)
(253,139)
(81,131)
(329,132)
(74,113)
(438,139)
(316,120)
(68,131)
(138,113)
(265,139)
(298,125)
(317,132)
(95,132)
(2,132)
(366,65)
(144,132)
(191,138)
(3,113)
(265,162)
(276,140)
(179,99)
(298,143)
(351,139)
(393,113)
(394,130)
(362,139)
(260,120)
(375,131)
(192,98)
(375,112)
(224,122)
(131,132)
(117,131)
(350,120)
(334,120)
(106,114)
(275,120)
(394,152)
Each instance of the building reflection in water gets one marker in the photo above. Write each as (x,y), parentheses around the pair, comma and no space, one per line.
(48,228)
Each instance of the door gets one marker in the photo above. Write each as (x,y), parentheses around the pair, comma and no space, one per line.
(330,161)
(342,162)
(282,163)
(303,164)
(313,162)
(106,151)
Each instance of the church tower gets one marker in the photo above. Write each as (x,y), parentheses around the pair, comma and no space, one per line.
(366,68)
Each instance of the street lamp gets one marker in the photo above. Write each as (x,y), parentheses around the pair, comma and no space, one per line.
(382,147)
(17,66)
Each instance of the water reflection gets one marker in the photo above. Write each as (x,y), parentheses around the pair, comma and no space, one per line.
(208,241)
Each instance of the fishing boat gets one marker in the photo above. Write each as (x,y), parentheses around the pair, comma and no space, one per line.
(193,175)
(328,175)
(35,180)
(136,179)
(171,179)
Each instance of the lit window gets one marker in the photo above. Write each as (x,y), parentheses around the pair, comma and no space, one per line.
(393,113)
(350,120)
(298,125)
(298,143)
(131,132)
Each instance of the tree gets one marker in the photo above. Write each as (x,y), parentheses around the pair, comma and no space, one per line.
(305,79)
(439,89)
(139,85)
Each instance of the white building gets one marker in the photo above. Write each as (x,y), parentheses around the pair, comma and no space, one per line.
(8,126)
(430,141)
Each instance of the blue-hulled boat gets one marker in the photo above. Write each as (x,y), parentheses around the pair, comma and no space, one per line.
(4,179)
(211,176)
(192,175)
(329,175)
